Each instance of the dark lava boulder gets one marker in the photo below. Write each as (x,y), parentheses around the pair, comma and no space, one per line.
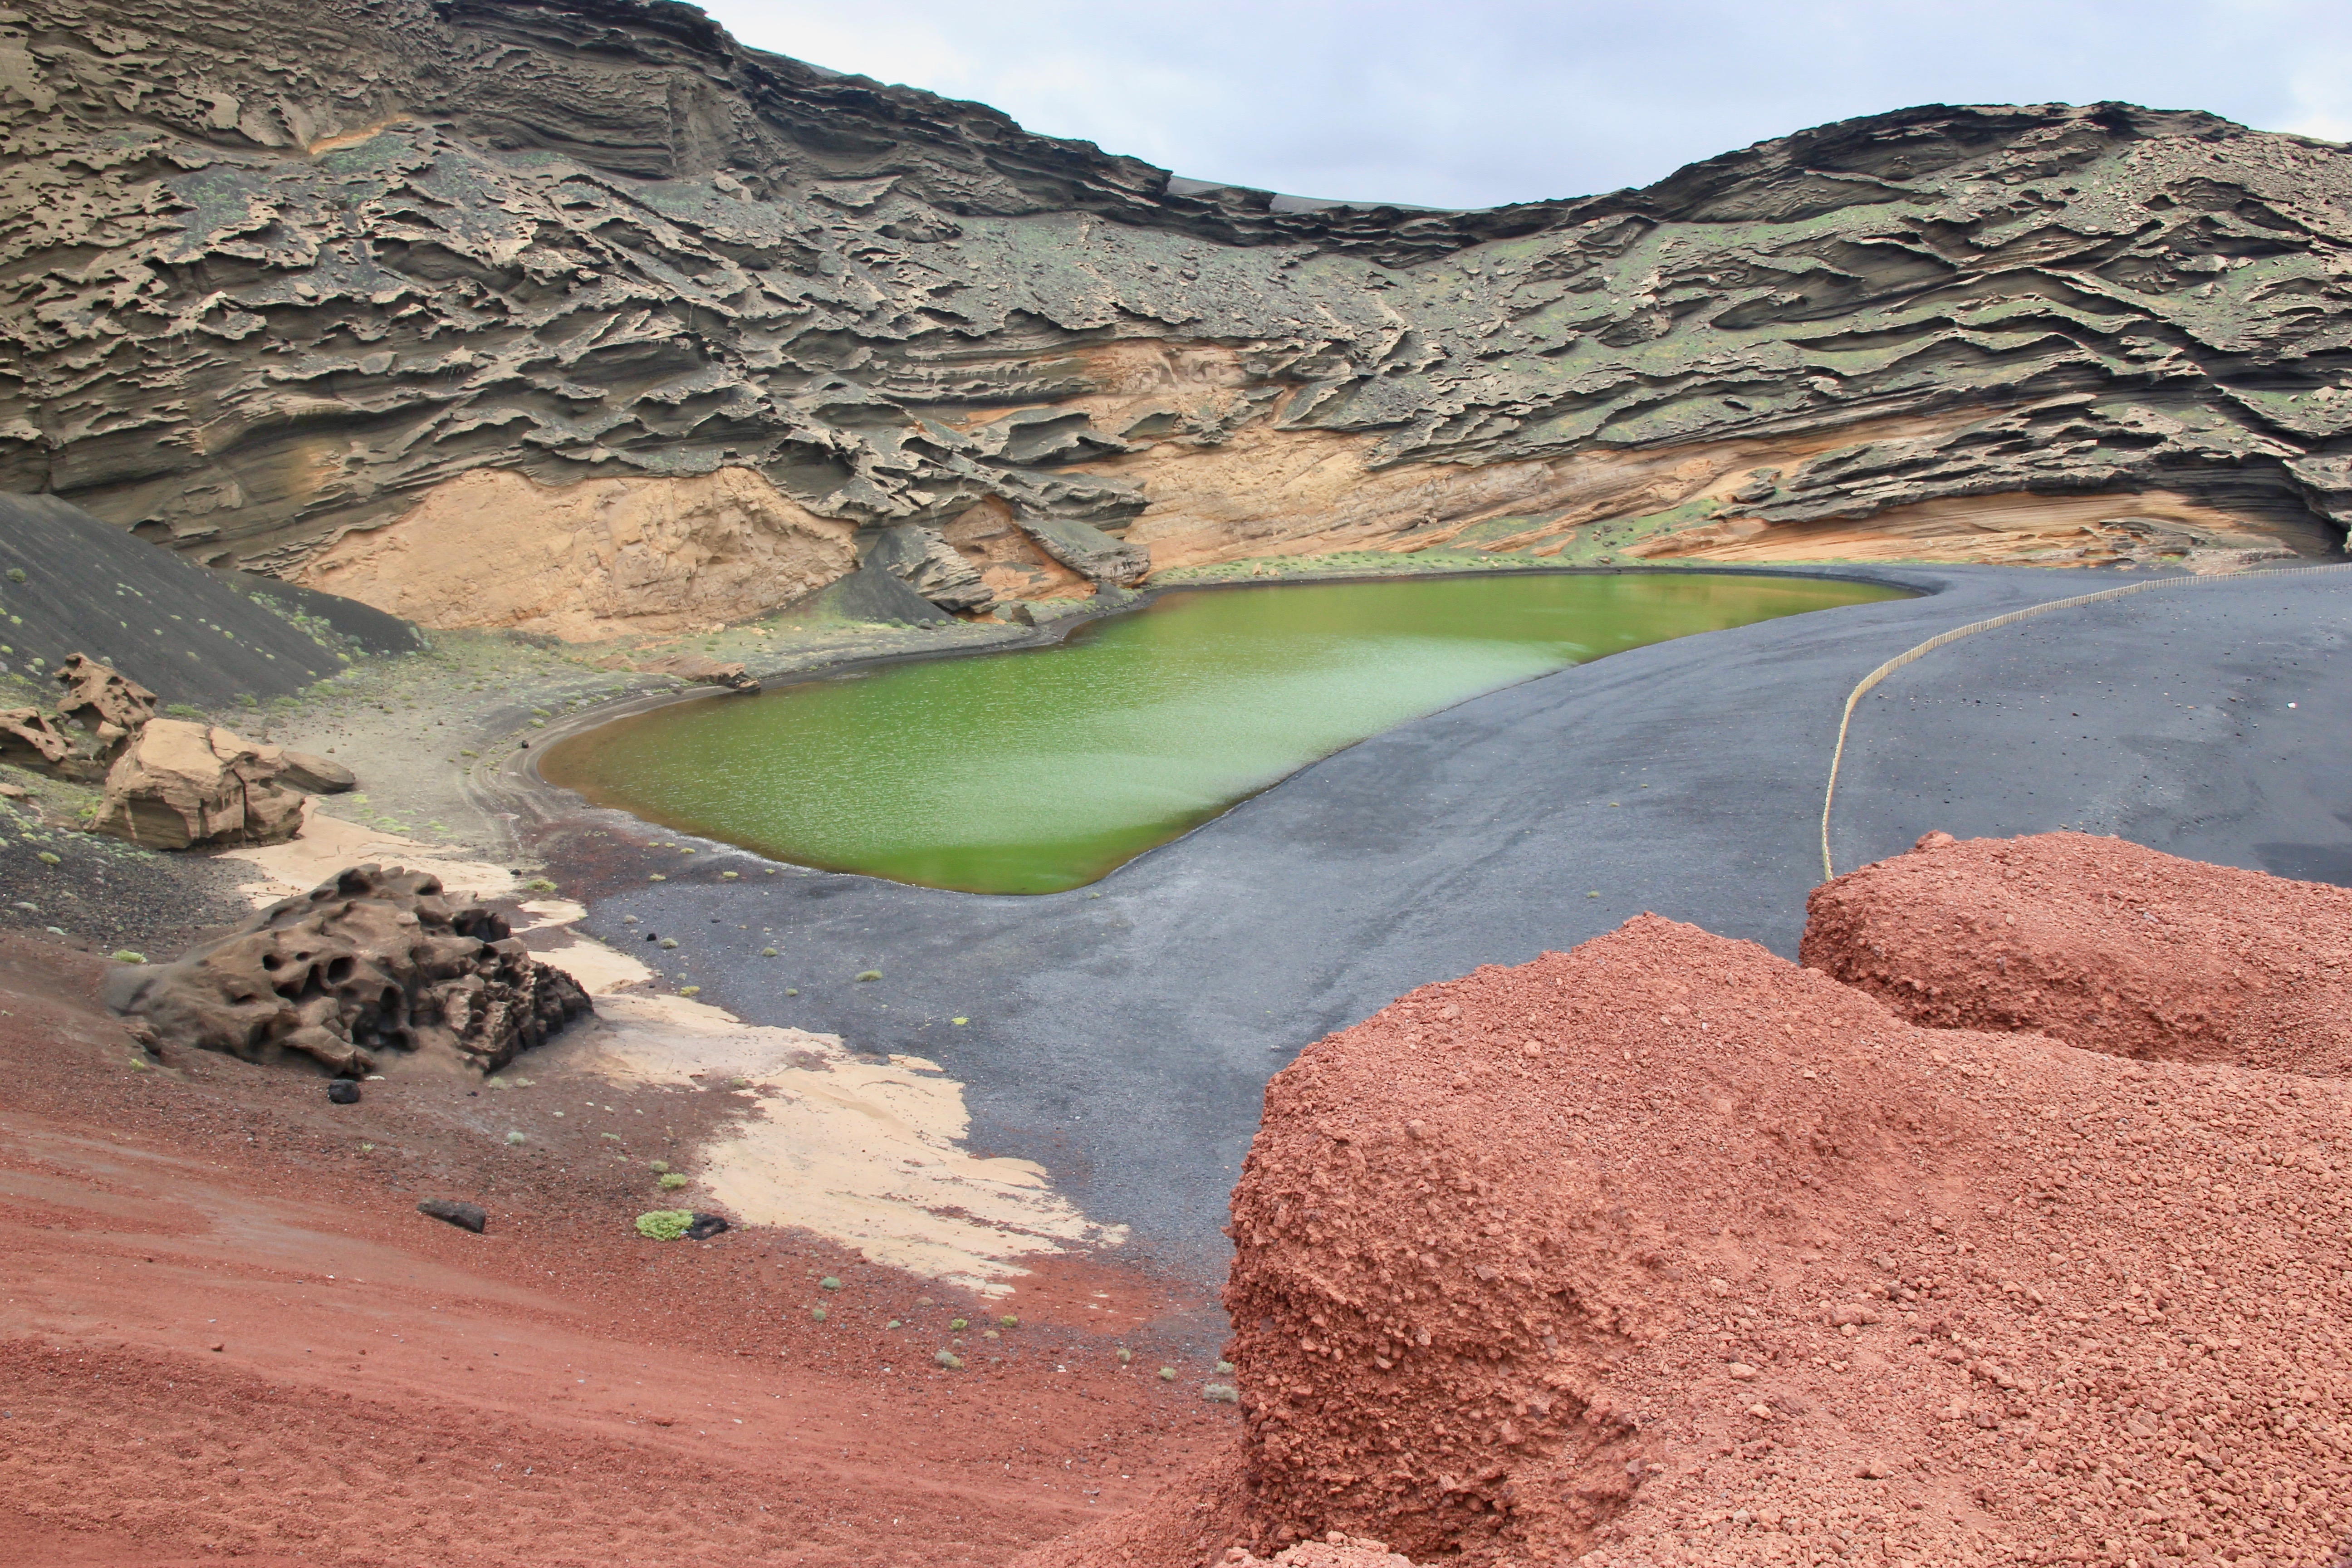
(374,960)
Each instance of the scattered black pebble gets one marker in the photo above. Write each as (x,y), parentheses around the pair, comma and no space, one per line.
(705,1226)
(344,1091)
(465,1216)
(650,936)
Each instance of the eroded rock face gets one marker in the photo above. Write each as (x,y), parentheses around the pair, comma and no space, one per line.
(372,962)
(2100,942)
(183,785)
(923,559)
(110,704)
(1547,1260)
(360,254)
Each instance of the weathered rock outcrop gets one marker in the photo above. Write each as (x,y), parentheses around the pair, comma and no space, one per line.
(308,772)
(183,785)
(286,272)
(372,962)
(923,559)
(111,705)
(2100,942)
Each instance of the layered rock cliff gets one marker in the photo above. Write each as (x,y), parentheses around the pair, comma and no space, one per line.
(659,330)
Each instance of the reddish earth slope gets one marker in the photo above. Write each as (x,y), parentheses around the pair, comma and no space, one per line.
(1669,1251)
(2100,942)
(226,1332)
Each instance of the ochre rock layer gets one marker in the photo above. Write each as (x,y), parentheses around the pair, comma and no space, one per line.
(287,272)
(2099,942)
(1666,1250)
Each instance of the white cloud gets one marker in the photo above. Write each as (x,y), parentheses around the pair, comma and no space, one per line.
(1479,101)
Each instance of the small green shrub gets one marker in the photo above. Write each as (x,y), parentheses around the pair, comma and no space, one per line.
(767,952)
(1125,1355)
(671,1180)
(184,711)
(517,1138)
(949,1359)
(1009,1320)
(1166,1375)
(828,1283)
(540,884)
(1222,1392)
(657,1164)
(667,943)
(817,1314)
(871,975)
(957,1325)
(124,955)
(665,1225)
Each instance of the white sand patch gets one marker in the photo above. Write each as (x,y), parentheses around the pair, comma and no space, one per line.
(601,970)
(549,912)
(328,845)
(867,1153)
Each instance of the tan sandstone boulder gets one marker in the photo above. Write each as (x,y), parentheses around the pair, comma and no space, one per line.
(184,785)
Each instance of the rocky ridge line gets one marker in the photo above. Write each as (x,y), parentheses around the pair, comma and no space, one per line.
(280,271)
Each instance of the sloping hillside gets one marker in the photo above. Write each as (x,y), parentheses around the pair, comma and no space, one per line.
(72,585)
(497,313)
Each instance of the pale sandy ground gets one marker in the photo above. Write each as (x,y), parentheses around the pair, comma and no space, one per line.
(863,1151)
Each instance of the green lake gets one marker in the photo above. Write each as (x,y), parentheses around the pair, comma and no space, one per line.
(1040,771)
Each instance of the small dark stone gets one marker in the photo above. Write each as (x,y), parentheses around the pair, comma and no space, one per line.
(465,1216)
(705,1226)
(344,1091)
(652,936)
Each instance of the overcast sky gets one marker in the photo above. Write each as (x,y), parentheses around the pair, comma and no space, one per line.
(1474,102)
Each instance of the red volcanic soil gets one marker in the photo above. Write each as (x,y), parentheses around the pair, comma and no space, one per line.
(225,1332)
(1665,1250)
(2099,942)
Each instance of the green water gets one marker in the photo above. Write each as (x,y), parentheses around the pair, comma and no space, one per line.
(1031,772)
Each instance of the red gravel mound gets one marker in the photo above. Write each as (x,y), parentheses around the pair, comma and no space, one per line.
(2101,944)
(1665,1250)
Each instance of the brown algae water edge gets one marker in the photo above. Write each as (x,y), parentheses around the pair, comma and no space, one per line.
(1040,771)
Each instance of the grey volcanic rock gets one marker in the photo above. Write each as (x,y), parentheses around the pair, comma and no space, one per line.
(280,270)
(372,961)
(70,584)
(923,559)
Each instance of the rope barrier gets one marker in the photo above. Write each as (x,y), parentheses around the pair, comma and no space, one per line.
(1845,723)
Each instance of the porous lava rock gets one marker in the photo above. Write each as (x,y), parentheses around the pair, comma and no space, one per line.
(30,737)
(111,705)
(2100,942)
(180,785)
(375,961)
(1666,1250)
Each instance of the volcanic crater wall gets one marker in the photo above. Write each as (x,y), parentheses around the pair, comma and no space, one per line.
(277,275)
